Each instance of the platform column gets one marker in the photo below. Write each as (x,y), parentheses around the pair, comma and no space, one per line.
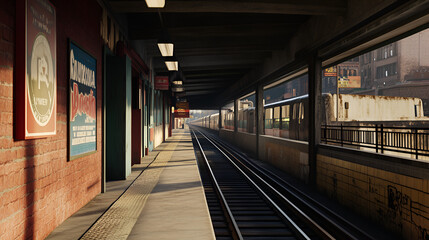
(220,118)
(315,98)
(259,115)
(236,115)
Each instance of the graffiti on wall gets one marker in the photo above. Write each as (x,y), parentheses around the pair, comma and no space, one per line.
(400,210)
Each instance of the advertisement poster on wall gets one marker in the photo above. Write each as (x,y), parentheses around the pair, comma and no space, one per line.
(348,75)
(36,69)
(83,102)
(161,83)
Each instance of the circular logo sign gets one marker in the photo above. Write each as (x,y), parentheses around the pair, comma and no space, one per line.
(40,82)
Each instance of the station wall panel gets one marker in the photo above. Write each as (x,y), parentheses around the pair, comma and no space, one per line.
(396,201)
(288,155)
(245,141)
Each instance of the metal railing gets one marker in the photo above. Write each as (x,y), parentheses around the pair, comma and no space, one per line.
(407,140)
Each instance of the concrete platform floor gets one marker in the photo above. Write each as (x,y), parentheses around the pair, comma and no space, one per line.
(164,201)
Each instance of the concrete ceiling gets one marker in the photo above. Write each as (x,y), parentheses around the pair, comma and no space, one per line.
(218,42)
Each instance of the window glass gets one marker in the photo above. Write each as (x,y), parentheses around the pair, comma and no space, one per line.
(276,117)
(268,118)
(227,116)
(246,116)
(285,117)
(384,88)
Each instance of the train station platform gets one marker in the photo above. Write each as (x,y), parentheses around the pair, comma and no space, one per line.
(163,198)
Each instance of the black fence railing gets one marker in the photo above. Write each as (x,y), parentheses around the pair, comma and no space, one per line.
(396,139)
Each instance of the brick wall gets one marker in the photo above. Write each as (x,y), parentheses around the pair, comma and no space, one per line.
(396,201)
(39,188)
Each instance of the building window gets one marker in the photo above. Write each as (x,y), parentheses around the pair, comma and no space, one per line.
(386,52)
(386,71)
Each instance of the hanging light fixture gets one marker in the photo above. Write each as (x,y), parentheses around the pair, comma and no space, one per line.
(165,44)
(155,3)
(166,49)
(172,64)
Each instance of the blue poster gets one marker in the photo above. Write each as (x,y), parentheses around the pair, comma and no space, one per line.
(83,102)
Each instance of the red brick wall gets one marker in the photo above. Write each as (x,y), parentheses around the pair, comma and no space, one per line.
(39,188)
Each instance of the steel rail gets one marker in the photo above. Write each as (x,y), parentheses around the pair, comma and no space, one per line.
(278,179)
(298,231)
(236,230)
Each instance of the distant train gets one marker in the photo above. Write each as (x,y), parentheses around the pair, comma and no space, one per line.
(289,118)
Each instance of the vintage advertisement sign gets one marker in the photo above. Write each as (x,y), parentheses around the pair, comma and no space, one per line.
(330,72)
(181,113)
(36,69)
(348,75)
(181,110)
(83,102)
(161,83)
(182,105)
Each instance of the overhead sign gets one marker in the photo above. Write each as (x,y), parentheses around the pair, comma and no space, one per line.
(181,113)
(161,83)
(182,110)
(83,102)
(182,105)
(348,75)
(36,69)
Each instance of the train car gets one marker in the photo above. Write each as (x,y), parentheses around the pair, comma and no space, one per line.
(289,118)
(229,120)
(214,121)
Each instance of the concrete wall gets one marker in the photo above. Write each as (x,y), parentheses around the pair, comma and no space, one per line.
(39,188)
(245,141)
(373,108)
(288,155)
(391,192)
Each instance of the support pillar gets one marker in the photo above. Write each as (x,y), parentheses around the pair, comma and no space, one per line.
(315,98)
(259,115)
(220,118)
(236,115)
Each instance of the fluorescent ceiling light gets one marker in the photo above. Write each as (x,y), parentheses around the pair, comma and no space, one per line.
(166,49)
(178,89)
(172,65)
(178,82)
(155,3)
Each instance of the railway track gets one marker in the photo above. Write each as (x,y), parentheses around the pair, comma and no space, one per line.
(247,202)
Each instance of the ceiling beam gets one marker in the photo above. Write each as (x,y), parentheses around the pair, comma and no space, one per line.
(231,30)
(189,88)
(210,64)
(202,92)
(295,7)
(209,80)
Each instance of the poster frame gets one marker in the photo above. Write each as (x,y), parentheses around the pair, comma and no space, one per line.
(23,109)
(69,157)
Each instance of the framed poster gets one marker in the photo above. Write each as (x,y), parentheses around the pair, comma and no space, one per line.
(36,69)
(82,102)
(161,83)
